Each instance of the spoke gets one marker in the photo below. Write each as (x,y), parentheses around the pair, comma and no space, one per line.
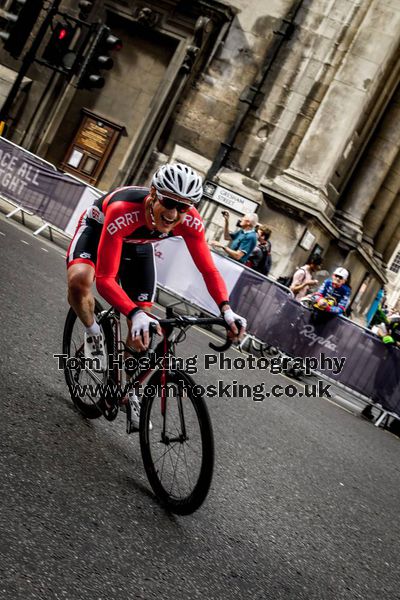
(173,478)
(187,469)
(169,448)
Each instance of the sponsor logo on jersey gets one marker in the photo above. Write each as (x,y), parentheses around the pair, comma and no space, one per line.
(143,297)
(94,213)
(122,221)
(85,255)
(194,222)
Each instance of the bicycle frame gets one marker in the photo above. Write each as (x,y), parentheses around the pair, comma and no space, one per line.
(165,348)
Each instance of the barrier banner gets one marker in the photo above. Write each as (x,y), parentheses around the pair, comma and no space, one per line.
(177,272)
(37,186)
(338,347)
(342,349)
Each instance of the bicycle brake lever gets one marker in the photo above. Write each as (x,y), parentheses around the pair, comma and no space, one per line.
(228,342)
(153,337)
(222,348)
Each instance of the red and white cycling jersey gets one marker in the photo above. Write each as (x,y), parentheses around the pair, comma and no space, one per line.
(118,218)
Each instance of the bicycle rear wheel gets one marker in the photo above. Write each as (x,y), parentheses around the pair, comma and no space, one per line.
(178,452)
(84,385)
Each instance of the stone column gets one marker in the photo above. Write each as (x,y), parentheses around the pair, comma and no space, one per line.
(392,245)
(369,178)
(342,112)
(382,203)
(389,228)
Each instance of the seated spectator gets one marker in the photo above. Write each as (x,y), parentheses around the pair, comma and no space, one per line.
(243,241)
(260,258)
(303,278)
(334,294)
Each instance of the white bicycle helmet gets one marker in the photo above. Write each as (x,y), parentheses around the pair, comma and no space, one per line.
(179,179)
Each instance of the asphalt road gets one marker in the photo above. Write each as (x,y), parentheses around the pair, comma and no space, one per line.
(304,502)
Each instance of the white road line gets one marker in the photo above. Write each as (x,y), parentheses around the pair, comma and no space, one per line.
(52,245)
(44,249)
(24,242)
(336,403)
(1,233)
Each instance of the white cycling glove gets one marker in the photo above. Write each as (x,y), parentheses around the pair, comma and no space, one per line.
(230,317)
(141,323)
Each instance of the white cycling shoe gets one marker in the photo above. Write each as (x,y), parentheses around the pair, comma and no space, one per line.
(133,407)
(94,351)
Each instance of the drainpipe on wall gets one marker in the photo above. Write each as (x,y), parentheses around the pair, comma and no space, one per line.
(251,96)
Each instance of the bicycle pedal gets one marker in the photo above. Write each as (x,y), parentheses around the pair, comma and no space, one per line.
(110,412)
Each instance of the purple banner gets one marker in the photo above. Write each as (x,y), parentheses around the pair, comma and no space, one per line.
(369,367)
(37,185)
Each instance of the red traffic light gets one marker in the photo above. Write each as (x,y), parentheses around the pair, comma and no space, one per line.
(62,33)
(57,48)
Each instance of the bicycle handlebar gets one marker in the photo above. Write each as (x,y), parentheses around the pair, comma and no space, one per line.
(190,321)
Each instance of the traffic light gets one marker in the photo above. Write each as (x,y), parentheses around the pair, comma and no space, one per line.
(98,59)
(18,22)
(57,52)
(85,8)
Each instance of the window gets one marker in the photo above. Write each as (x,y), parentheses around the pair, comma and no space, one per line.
(395,266)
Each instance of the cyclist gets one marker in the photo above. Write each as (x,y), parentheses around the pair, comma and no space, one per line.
(114,239)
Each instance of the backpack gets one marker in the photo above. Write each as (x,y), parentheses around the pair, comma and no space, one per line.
(286,280)
(264,264)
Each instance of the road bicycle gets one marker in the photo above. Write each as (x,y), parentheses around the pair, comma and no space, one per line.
(176,437)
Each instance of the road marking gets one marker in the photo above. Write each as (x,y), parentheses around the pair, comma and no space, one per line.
(1,233)
(58,250)
(44,249)
(24,242)
(332,401)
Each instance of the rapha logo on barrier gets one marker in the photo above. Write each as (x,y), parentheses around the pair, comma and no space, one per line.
(309,332)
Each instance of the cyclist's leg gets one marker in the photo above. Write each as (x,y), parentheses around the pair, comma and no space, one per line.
(138,277)
(80,280)
(81,260)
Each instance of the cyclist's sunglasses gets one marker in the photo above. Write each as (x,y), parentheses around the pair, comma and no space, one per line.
(338,276)
(170,203)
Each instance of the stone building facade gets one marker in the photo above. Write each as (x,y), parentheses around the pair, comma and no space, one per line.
(393,285)
(292,105)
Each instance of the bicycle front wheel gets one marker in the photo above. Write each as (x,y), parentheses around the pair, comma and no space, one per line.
(178,450)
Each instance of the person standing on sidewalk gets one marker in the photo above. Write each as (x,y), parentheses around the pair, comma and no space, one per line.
(242,241)
(303,277)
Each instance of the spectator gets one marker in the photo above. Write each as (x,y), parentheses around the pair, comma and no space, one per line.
(334,294)
(244,240)
(303,278)
(260,258)
(388,330)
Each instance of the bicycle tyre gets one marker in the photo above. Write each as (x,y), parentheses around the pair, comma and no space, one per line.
(196,496)
(95,410)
